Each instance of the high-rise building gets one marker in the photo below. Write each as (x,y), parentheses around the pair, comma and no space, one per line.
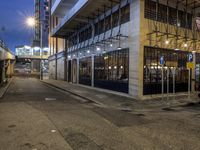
(42,21)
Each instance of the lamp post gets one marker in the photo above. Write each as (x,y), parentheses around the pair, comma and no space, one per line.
(31,23)
(41,50)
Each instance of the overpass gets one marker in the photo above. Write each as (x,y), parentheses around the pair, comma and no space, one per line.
(7,61)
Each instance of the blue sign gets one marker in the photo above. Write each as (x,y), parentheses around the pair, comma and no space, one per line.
(162,60)
(190,57)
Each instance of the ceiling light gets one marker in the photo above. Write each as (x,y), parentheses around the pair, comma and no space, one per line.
(185,45)
(98,49)
(167,42)
(119,48)
(111,45)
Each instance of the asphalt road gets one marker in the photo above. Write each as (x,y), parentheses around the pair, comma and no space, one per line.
(34,116)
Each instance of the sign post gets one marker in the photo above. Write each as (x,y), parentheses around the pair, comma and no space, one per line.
(189,83)
(190,65)
(168,83)
(162,63)
(174,82)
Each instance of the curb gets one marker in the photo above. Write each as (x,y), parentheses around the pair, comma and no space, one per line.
(4,89)
(73,93)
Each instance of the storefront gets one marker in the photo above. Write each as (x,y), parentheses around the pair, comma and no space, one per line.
(197,71)
(111,70)
(175,64)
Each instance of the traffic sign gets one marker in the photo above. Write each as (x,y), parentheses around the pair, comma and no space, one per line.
(162,60)
(190,57)
(190,65)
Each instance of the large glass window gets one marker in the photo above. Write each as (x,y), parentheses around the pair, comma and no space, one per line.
(85,71)
(150,13)
(174,60)
(111,70)
(125,16)
(197,71)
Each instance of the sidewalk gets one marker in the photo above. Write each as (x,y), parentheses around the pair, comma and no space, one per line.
(4,87)
(117,100)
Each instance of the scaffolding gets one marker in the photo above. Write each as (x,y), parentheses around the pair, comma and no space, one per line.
(174,35)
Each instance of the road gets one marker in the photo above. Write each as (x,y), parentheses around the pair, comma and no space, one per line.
(34,116)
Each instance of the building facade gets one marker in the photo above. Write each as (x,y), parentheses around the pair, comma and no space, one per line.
(138,47)
(42,23)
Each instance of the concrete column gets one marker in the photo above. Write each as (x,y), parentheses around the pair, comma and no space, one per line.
(32,67)
(9,68)
(135,49)
(77,71)
(56,67)
(3,71)
(92,57)
(65,68)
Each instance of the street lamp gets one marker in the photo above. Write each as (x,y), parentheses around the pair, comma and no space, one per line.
(31,22)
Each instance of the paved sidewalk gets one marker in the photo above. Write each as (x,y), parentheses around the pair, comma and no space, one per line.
(4,87)
(118,100)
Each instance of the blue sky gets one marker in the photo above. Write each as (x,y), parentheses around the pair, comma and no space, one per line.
(12,18)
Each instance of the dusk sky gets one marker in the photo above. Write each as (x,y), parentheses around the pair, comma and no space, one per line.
(13,14)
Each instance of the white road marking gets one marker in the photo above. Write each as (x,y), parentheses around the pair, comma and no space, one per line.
(50,99)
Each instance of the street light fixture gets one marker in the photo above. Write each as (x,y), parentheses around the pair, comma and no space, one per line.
(30,21)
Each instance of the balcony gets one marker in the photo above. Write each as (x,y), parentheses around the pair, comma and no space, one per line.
(61,7)
(78,14)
